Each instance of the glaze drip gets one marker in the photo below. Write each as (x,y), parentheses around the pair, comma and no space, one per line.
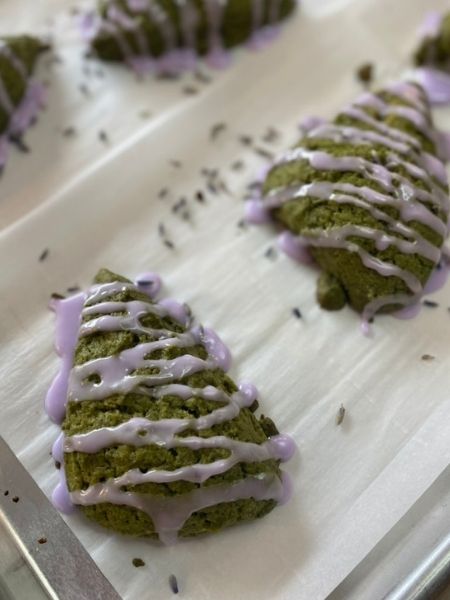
(405,178)
(93,312)
(170,514)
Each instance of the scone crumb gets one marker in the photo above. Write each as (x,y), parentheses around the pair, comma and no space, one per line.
(138,562)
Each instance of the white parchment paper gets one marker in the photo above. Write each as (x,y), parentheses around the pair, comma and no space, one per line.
(101,207)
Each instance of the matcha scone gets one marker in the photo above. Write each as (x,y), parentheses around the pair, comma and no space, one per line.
(157,440)
(19,96)
(129,29)
(367,194)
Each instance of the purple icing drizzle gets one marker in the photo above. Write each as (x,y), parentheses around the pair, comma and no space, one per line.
(149,283)
(413,203)
(175,60)
(295,247)
(311,122)
(117,375)
(68,319)
(430,26)
(256,212)
(61,497)
(170,513)
(435,83)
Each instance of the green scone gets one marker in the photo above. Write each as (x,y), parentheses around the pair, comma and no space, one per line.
(18,57)
(133,28)
(434,48)
(158,440)
(367,194)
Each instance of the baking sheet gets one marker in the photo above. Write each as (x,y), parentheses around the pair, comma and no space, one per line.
(353,482)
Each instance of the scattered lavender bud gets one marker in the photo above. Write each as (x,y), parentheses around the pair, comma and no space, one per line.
(173,584)
(340,415)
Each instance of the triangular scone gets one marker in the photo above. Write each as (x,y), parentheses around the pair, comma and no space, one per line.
(368,195)
(133,28)
(19,101)
(158,440)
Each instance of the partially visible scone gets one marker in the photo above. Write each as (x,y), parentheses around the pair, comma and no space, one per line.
(18,55)
(133,28)
(368,194)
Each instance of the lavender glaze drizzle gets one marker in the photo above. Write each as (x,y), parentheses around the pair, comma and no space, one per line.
(117,375)
(412,202)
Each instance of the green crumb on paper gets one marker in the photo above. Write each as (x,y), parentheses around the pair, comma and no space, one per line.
(330,293)
(138,562)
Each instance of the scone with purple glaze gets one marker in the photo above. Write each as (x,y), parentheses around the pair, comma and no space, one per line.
(129,29)
(157,440)
(19,97)
(367,195)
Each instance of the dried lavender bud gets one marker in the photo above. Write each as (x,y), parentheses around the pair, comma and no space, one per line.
(271,135)
(190,90)
(264,153)
(173,584)
(216,130)
(84,90)
(238,165)
(340,415)
(430,304)
(202,77)
(69,132)
(246,140)
(103,137)
(297,313)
